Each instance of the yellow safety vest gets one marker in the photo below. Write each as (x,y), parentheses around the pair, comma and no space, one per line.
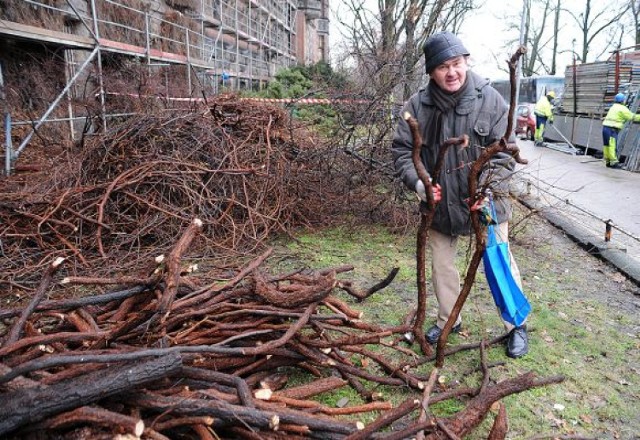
(617,115)
(544,108)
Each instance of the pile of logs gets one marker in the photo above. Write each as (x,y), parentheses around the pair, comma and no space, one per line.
(167,356)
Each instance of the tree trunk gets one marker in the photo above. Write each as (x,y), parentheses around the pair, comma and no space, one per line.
(556,23)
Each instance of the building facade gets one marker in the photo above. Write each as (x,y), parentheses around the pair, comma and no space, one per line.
(244,41)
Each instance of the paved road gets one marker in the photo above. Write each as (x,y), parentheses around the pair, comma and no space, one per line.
(579,194)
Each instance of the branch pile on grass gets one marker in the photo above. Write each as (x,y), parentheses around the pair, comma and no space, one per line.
(243,168)
(168,355)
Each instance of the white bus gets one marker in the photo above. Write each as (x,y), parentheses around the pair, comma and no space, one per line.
(531,87)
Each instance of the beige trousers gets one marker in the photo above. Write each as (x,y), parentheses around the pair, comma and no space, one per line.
(445,276)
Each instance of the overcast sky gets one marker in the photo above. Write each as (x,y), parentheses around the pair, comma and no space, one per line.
(486,32)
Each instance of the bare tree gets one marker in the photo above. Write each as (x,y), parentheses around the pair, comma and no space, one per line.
(456,14)
(537,42)
(600,24)
(597,28)
(556,25)
(634,5)
(536,37)
(386,42)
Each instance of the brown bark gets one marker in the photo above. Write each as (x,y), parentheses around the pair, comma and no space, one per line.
(298,294)
(392,370)
(181,421)
(136,171)
(268,379)
(203,432)
(125,307)
(173,268)
(477,408)
(45,282)
(386,419)
(19,382)
(313,388)
(125,280)
(426,395)
(152,434)
(362,295)
(317,407)
(79,302)
(226,379)
(339,306)
(71,372)
(86,322)
(117,422)
(209,290)
(225,414)
(426,218)
(48,339)
(501,145)
(408,432)
(32,405)
(500,426)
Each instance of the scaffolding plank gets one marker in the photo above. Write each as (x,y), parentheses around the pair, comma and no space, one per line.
(33,33)
(596,85)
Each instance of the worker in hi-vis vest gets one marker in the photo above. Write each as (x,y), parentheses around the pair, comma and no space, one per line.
(544,112)
(616,117)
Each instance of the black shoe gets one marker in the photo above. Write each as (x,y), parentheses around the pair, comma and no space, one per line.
(616,165)
(518,342)
(433,334)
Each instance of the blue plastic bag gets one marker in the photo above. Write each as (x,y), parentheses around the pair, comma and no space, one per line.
(508,296)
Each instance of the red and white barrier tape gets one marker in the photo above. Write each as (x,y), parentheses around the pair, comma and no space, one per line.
(267,100)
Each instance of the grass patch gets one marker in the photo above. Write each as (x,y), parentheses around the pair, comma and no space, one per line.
(575,331)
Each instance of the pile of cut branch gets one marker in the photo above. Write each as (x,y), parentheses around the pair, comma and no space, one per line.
(123,196)
(166,356)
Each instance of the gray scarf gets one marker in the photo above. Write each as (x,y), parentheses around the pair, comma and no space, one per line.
(445,102)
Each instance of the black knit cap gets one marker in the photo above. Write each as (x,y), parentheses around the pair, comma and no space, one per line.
(440,47)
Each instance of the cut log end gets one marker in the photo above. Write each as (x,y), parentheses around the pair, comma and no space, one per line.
(263,394)
(274,423)
(192,268)
(138,428)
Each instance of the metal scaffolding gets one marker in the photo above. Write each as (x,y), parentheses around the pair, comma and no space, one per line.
(230,44)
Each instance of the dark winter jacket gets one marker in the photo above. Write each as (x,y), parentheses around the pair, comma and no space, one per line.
(482,114)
